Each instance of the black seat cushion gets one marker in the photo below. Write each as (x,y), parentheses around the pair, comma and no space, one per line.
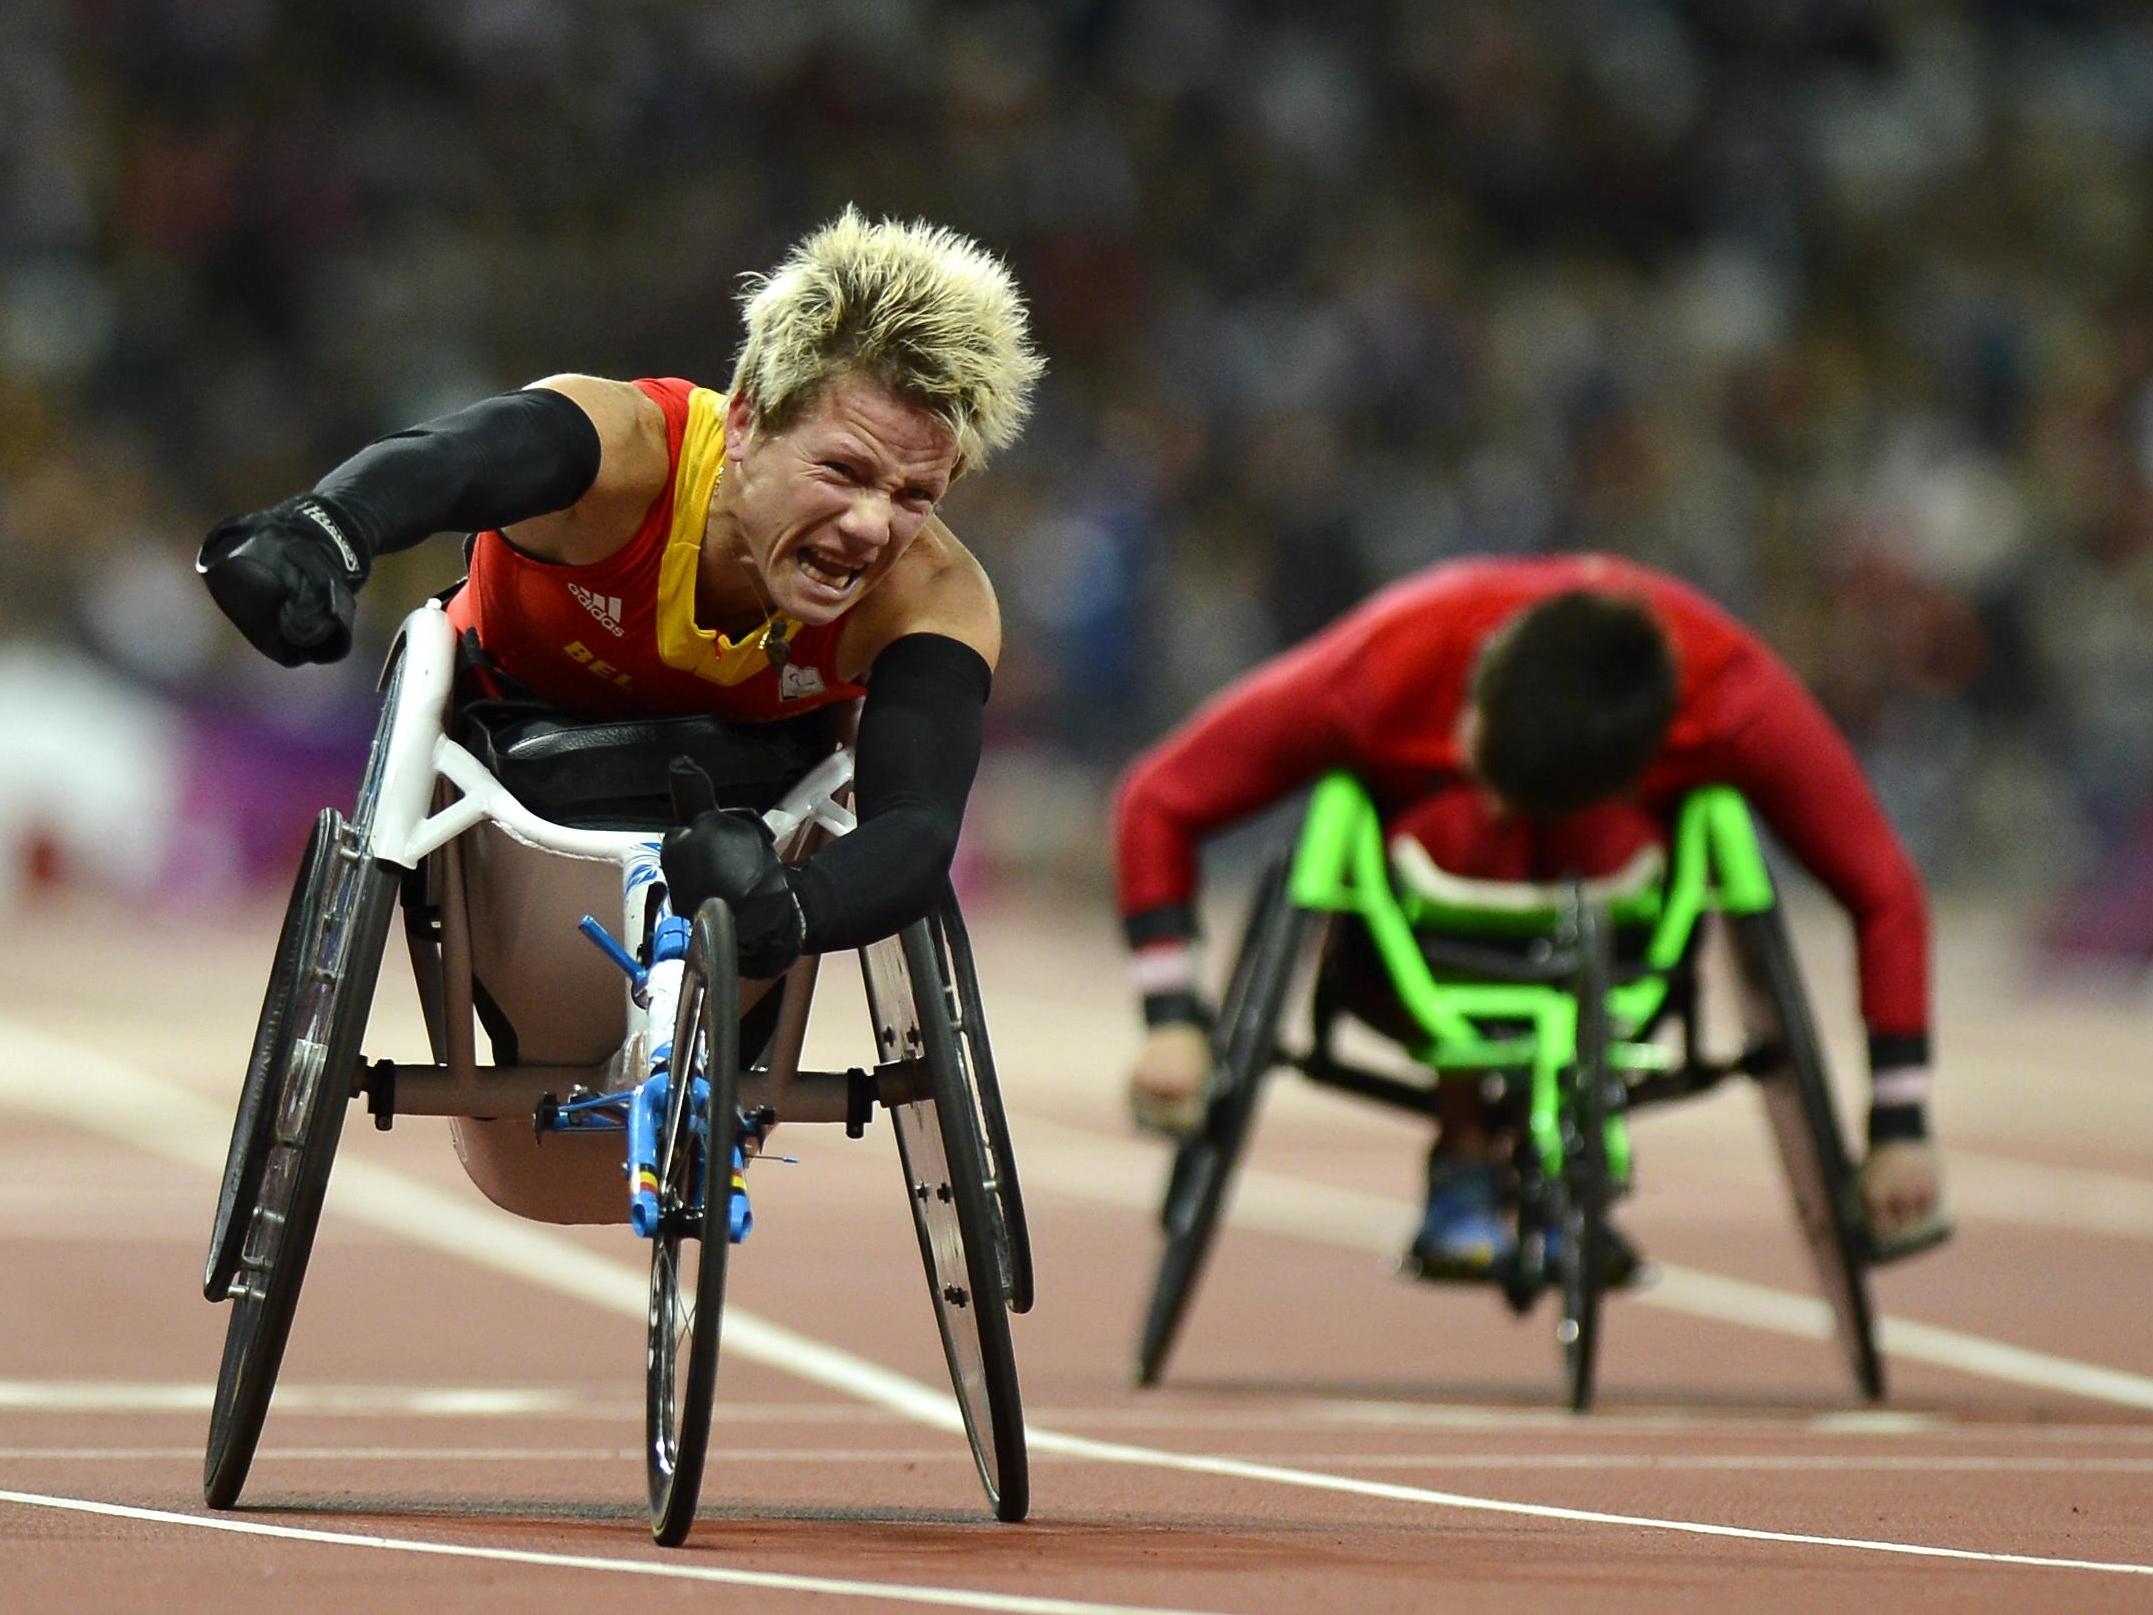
(604,773)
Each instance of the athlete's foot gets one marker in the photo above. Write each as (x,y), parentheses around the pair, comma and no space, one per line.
(1464,1236)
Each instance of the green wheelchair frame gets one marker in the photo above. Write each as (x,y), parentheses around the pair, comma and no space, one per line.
(1532,997)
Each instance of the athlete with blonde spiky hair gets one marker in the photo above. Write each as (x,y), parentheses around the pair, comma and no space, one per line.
(918,308)
(653,548)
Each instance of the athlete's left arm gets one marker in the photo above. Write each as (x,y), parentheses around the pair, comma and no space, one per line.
(925,641)
(1790,760)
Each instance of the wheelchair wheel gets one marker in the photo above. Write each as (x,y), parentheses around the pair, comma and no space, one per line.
(250,1127)
(1797,1098)
(694,1234)
(969,1020)
(1582,1195)
(1244,1041)
(291,1111)
(953,1208)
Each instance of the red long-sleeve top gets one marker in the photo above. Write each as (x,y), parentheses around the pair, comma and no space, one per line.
(1380,692)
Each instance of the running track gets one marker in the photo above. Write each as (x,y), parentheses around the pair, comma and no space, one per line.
(459,1419)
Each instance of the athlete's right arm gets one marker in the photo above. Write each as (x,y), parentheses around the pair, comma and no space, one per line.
(287,576)
(1270,732)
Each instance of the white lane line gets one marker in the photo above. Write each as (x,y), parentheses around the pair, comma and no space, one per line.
(1364,1222)
(150,1113)
(1758,1463)
(670,1570)
(188,1398)
(1587,1462)
(370,1401)
(1244,1469)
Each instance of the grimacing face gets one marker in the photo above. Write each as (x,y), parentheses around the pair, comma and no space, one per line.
(823,508)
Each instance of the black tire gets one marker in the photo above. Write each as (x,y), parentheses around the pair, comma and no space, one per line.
(955,1215)
(1586,1190)
(970,1023)
(695,1195)
(1805,1126)
(250,1126)
(1244,1041)
(307,1059)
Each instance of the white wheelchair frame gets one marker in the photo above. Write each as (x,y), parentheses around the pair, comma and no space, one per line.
(492,893)
(580,1026)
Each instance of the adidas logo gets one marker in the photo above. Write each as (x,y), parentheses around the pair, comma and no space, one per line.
(605,607)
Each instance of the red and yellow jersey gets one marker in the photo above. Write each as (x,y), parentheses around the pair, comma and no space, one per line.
(1380,691)
(618,637)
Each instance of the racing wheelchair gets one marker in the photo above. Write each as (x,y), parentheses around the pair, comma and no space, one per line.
(1536,997)
(494,827)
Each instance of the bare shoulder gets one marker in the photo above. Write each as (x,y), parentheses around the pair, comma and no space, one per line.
(634,464)
(936,587)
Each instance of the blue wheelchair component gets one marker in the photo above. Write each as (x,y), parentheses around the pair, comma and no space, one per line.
(742,1221)
(636,974)
(641,1110)
(671,939)
(646,1118)
(587,1113)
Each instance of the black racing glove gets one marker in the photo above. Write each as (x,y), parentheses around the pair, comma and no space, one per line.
(728,853)
(288,576)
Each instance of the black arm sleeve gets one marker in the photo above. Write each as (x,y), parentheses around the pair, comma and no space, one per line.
(918,751)
(498,461)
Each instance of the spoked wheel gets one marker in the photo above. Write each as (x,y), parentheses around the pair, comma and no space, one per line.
(1244,1041)
(250,1127)
(1586,1189)
(954,1207)
(1797,1097)
(291,1110)
(969,1021)
(695,1201)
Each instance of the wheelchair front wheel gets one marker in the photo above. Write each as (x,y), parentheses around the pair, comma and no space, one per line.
(291,1111)
(1244,1043)
(695,1198)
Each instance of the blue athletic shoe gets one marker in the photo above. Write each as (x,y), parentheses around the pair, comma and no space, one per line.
(1464,1237)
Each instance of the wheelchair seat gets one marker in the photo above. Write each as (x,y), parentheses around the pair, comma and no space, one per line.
(610,773)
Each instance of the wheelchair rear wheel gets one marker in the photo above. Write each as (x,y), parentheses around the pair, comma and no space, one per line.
(968,1019)
(1582,1195)
(1797,1097)
(1244,1041)
(250,1126)
(291,1111)
(695,1196)
(954,1207)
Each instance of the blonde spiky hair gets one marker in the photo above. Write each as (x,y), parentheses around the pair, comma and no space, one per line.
(927,312)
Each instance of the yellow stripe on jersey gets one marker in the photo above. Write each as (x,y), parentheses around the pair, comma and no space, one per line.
(681,642)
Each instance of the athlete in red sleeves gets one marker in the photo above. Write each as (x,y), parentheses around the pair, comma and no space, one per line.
(1530,720)
(655,547)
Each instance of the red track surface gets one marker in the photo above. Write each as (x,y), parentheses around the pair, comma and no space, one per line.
(1302,1354)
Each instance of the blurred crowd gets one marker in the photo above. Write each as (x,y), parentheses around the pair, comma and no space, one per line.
(1842,309)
